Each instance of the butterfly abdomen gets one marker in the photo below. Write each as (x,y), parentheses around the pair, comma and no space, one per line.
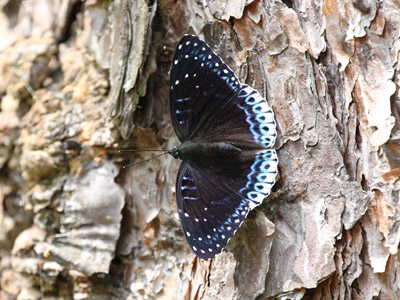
(198,150)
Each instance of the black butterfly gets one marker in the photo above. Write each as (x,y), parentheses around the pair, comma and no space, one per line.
(226,129)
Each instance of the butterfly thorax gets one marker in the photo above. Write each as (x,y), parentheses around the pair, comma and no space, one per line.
(200,150)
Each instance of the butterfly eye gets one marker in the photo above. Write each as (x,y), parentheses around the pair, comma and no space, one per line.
(175,152)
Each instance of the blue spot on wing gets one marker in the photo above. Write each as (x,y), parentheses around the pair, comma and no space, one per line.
(258,115)
(261,178)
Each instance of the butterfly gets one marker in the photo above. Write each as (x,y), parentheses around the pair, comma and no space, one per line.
(227,130)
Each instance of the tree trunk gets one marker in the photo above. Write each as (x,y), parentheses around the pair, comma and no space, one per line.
(81,80)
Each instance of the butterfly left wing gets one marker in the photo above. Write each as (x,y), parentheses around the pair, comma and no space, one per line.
(214,197)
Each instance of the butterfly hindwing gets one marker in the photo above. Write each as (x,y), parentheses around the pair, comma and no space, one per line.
(214,198)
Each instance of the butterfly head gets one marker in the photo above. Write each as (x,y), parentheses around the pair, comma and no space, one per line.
(175,152)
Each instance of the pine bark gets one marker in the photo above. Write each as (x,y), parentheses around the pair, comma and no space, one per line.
(81,80)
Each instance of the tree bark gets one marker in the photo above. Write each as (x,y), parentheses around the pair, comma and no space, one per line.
(81,80)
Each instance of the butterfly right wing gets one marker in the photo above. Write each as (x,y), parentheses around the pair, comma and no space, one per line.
(213,199)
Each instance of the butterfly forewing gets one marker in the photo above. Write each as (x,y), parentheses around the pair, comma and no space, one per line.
(207,102)
(213,199)
(199,82)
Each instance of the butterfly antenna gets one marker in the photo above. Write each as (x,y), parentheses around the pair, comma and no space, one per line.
(294,158)
(148,150)
(131,165)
